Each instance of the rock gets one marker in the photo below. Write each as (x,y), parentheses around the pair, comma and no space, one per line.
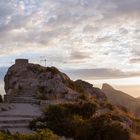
(90,90)
(44,83)
(5,107)
(107,87)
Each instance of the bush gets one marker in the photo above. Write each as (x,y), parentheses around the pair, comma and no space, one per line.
(85,109)
(103,128)
(69,83)
(83,97)
(76,120)
(110,106)
(42,134)
(53,70)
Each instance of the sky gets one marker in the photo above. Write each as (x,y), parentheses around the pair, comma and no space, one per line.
(93,40)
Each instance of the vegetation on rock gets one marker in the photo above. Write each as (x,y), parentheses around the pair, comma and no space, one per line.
(42,134)
(79,121)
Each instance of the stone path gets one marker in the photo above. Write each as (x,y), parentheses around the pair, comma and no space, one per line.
(17,119)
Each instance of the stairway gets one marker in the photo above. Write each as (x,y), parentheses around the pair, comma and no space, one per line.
(8,121)
(18,118)
(24,98)
(15,123)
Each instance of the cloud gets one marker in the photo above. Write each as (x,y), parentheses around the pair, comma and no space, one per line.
(136,50)
(89,74)
(135,60)
(90,29)
(100,73)
(76,33)
(80,55)
(6,8)
(103,39)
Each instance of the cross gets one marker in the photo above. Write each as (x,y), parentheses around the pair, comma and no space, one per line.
(45,60)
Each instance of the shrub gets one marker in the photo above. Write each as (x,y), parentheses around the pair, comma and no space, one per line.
(36,69)
(41,96)
(42,134)
(110,106)
(53,70)
(76,120)
(85,109)
(103,128)
(62,118)
(123,108)
(83,97)
(74,86)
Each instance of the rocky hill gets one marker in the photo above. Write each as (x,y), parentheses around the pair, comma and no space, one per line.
(45,83)
(117,97)
(38,88)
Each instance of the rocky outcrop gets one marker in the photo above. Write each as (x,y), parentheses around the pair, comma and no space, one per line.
(92,91)
(44,83)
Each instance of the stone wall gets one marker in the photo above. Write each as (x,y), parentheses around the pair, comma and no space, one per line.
(21,61)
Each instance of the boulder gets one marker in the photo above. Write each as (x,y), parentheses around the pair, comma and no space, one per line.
(36,80)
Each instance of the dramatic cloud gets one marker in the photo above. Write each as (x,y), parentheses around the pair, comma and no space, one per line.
(72,34)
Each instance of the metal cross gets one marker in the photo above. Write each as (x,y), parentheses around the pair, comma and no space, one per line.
(45,61)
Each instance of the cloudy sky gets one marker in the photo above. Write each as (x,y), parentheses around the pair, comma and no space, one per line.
(96,40)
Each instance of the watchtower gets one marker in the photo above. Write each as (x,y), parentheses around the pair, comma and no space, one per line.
(21,61)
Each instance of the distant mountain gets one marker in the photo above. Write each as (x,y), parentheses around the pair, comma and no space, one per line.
(120,98)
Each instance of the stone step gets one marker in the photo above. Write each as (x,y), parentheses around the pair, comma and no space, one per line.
(23,97)
(15,118)
(14,125)
(27,95)
(21,130)
(18,116)
(14,121)
(25,101)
